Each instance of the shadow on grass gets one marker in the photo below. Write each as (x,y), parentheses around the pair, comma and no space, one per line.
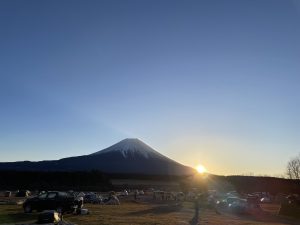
(17,218)
(158,210)
(195,219)
(261,216)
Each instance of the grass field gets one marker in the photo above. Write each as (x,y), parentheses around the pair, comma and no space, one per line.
(147,212)
(14,214)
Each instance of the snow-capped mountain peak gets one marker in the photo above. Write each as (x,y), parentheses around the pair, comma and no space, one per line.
(131,146)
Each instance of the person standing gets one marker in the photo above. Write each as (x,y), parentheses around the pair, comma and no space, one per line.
(197,206)
(79,201)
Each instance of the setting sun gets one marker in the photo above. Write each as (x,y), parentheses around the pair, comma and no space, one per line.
(201,169)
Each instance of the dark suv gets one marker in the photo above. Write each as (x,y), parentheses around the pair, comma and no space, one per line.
(52,200)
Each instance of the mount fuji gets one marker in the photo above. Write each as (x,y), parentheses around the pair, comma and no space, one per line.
(132,147)
(129,156)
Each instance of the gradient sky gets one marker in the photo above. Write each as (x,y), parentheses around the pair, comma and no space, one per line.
(211,82)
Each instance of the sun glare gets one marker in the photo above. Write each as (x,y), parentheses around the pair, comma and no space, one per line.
(201,169)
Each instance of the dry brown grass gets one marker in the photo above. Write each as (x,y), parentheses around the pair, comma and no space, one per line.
(134,213)
(148,212)
(170,213)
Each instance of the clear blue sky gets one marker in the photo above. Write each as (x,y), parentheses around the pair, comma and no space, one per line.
(211,82)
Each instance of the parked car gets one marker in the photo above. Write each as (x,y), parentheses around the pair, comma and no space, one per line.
(92,198)
(238,206)
(293,199)
(123,193)
(233,204)
(231,200)
(52,200)
(221,204)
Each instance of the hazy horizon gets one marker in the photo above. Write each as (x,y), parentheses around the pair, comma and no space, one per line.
(202,82)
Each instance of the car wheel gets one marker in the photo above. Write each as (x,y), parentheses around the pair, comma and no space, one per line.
(28,209)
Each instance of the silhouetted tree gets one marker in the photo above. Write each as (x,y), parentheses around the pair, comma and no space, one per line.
(293,168)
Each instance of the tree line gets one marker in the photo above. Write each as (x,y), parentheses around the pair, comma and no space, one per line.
(273,185)
(77,181)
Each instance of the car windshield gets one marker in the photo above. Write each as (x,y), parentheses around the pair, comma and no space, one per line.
(63,194)
(51,195)
(42,196)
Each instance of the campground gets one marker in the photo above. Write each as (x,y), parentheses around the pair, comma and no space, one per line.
(149,212)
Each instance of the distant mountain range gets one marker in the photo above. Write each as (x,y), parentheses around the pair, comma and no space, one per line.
(130,156)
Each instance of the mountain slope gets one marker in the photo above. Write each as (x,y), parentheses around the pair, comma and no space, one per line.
(127,156)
